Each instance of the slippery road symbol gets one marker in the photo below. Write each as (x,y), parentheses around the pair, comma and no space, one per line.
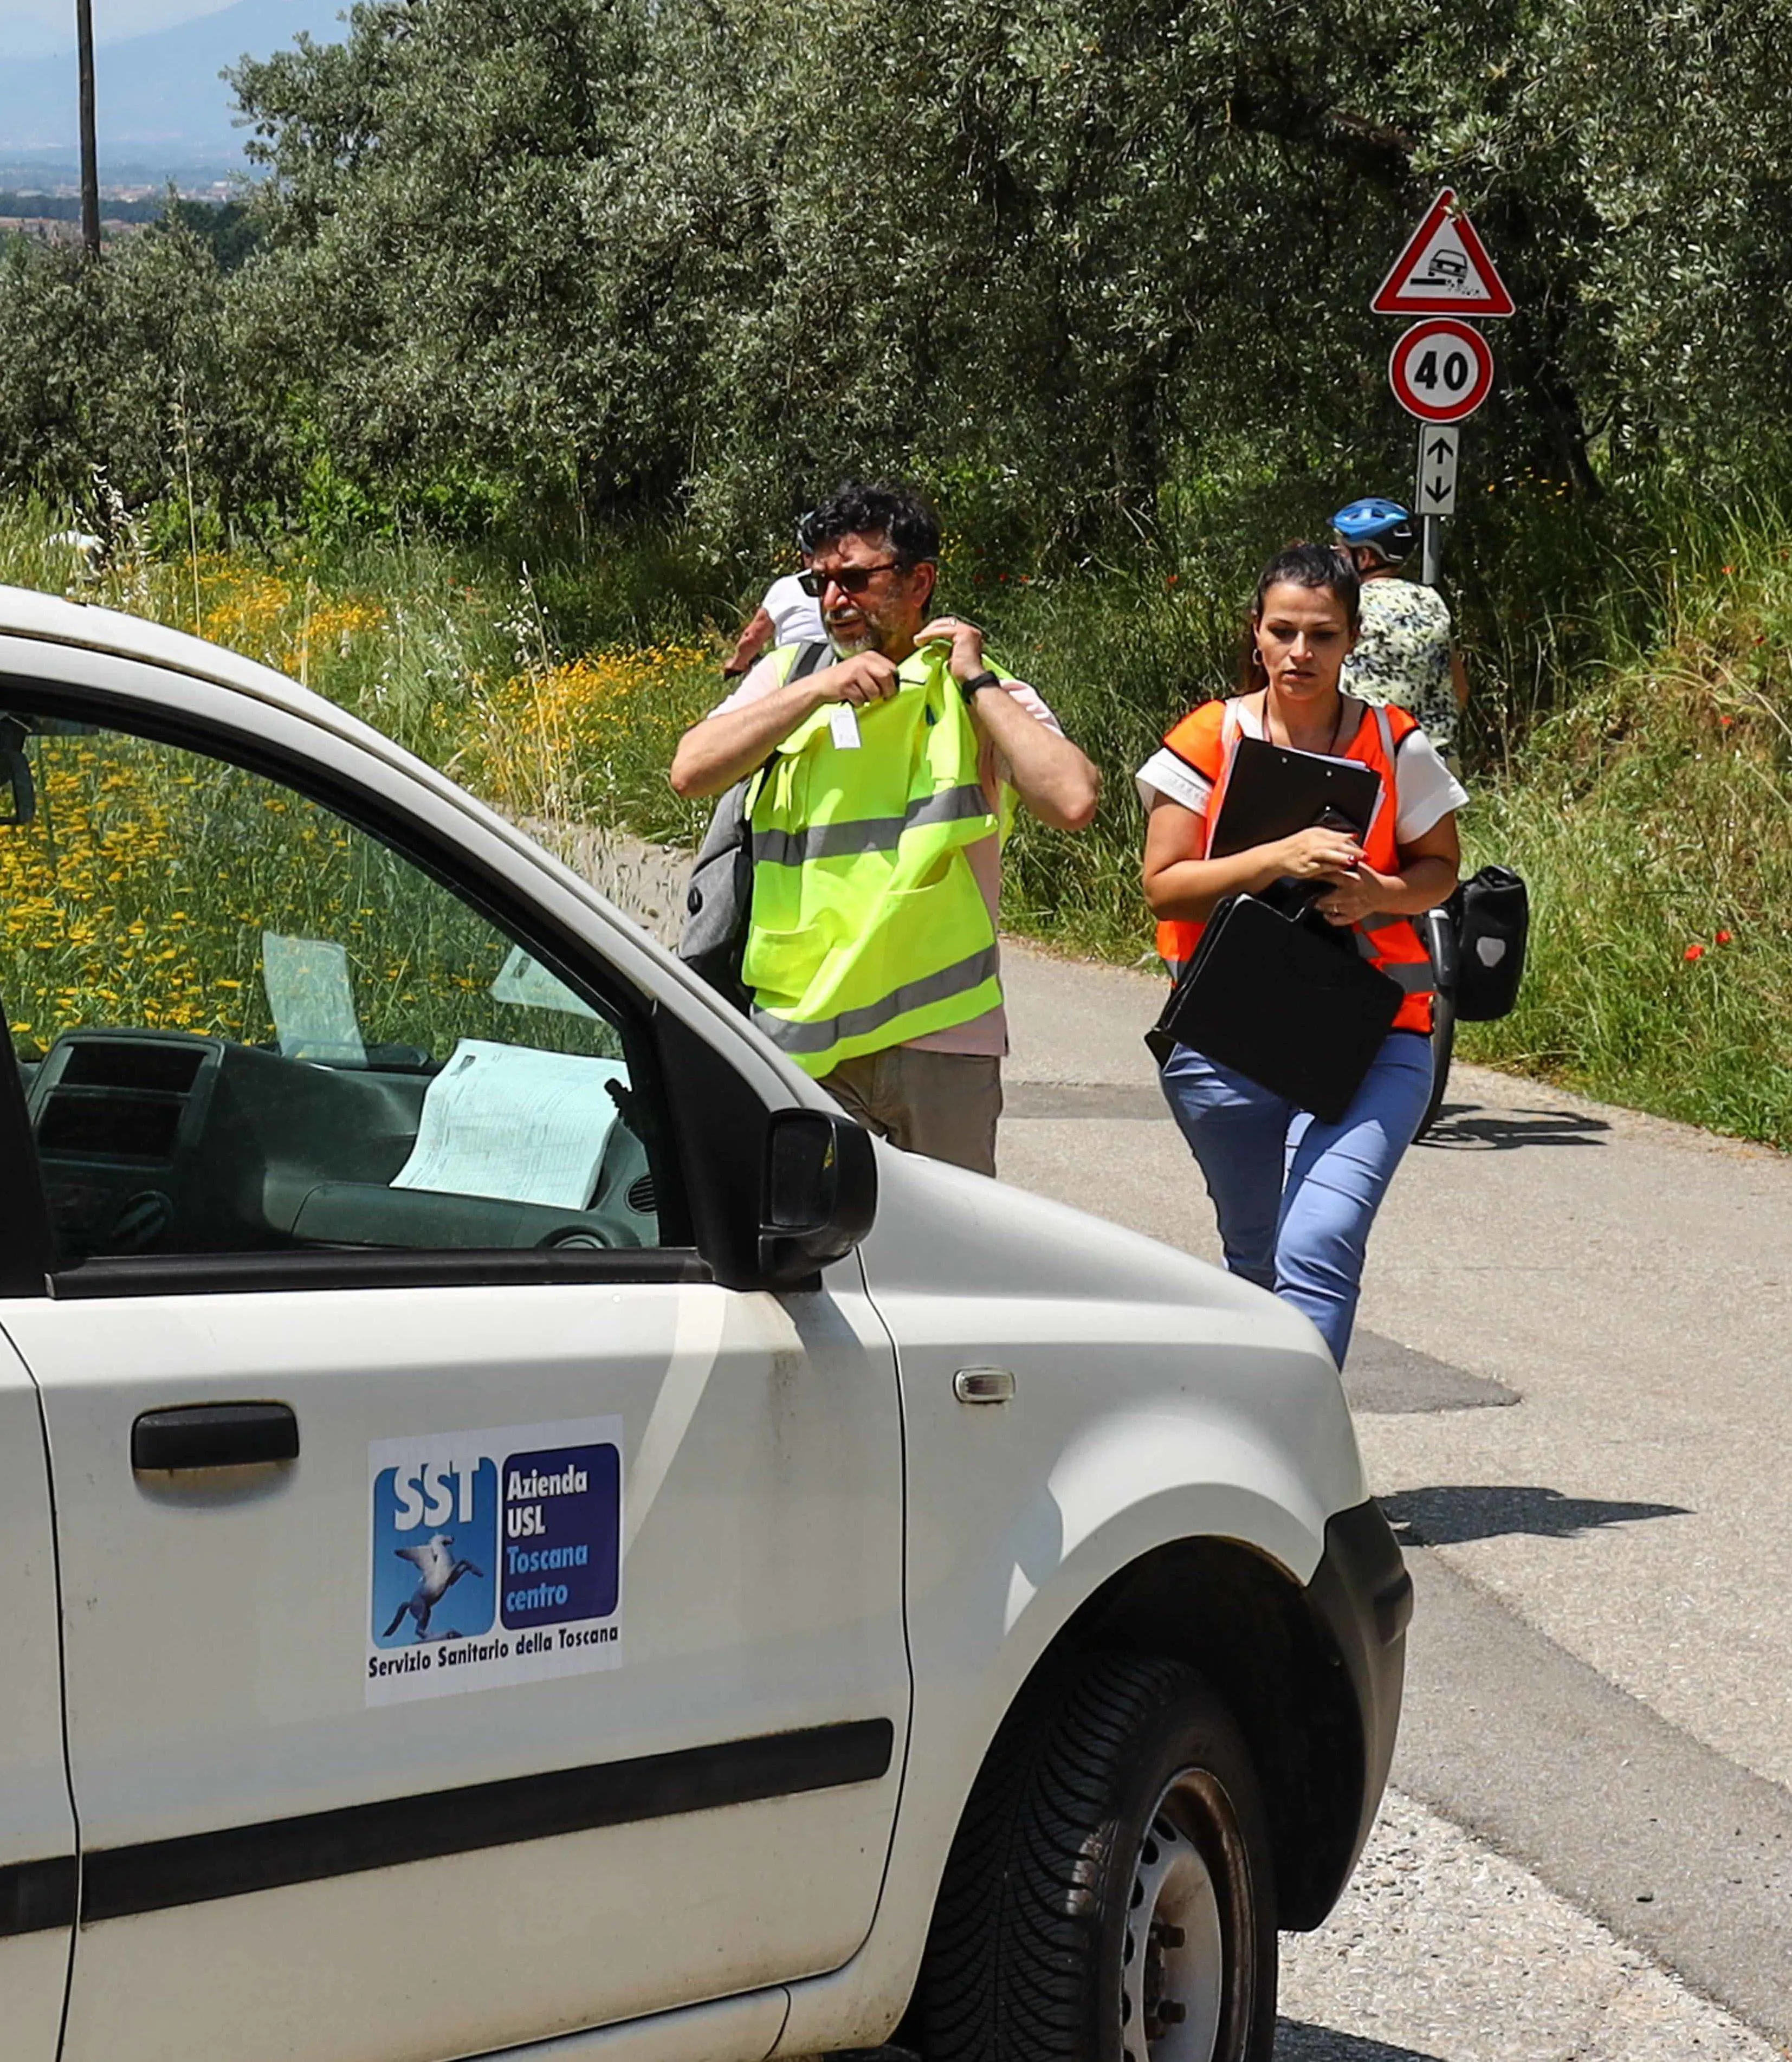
(437,1573)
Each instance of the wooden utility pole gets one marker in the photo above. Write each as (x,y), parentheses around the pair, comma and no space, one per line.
(90,149)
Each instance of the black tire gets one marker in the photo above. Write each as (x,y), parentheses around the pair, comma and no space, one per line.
(1103,1808)
(1443,1048)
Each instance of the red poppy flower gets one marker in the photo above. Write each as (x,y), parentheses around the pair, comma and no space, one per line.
(1694,952)
(1721,938)
(1726,720)
(1172,581)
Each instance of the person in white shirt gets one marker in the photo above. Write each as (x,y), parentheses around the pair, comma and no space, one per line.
(788,614)
(1295,1195)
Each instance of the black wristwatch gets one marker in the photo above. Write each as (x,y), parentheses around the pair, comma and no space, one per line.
(978,682)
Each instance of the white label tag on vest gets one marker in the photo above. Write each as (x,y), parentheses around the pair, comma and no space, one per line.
(844,724)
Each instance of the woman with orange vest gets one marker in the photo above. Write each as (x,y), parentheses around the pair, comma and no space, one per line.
(1295,1198)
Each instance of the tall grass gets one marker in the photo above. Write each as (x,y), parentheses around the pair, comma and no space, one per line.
(1631,752)
(1652,814)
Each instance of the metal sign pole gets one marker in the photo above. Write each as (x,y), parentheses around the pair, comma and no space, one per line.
(90,153)
(1435,497)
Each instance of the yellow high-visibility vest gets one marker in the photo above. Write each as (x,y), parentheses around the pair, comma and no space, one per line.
(869,928)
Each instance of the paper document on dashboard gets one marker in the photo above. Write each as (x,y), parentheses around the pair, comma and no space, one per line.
(312,1000)
(523,979)
(508,1122)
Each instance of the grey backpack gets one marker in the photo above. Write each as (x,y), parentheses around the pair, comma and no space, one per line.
(719,901)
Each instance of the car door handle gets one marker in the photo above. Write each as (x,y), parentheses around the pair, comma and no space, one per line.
(215,1435)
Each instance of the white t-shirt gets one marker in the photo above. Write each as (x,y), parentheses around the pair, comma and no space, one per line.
(1426,788)
(795,616)
(987,1035)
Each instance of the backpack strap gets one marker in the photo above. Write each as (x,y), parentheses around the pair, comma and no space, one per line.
(810,659)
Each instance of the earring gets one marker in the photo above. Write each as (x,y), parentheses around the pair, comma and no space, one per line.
(1257,655)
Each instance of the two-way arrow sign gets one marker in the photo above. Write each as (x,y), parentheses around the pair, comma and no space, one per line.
(1436,486)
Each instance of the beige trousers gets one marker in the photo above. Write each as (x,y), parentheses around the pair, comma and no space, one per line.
(943,1104)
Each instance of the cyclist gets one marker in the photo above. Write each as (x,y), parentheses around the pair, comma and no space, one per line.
(788,614)
(1404,654)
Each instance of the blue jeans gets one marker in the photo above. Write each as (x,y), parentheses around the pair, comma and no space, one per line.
(1296,1197)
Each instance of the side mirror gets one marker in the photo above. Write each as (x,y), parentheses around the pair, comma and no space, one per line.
(820,1194)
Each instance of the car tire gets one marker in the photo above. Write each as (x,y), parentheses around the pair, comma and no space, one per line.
(1109,1897)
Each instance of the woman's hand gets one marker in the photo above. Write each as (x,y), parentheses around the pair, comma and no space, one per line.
(1356,893)
(1313,855)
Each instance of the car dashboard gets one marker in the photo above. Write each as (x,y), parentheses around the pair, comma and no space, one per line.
(170,1141)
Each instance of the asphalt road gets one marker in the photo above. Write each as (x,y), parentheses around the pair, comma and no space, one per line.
(1573,1390)
(1574,1393)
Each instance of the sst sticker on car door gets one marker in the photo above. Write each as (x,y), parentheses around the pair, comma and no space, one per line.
(496,1557)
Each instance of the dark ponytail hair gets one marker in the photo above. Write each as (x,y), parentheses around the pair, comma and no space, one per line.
(1299,565)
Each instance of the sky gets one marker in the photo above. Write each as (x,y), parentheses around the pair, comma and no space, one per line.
(33,28)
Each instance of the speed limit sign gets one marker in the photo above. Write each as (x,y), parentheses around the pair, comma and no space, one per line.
(1441,371)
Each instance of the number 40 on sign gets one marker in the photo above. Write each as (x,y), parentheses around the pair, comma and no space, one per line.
(1441,371)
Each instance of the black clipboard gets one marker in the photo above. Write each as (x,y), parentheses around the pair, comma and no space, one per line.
(1273,791)
(1301,1015)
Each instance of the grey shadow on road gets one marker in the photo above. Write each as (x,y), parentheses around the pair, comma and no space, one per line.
(1466,1127)
(1297,2041)
(1451,1515)
(1382,1375)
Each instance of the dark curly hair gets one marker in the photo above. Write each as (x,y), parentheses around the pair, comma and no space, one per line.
(876,508)
(1298,565)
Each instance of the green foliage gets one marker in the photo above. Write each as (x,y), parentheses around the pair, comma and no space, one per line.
(1059,259)
(128,366)
(1653,817)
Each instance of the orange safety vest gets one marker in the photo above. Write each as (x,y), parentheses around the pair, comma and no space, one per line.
(1207,742)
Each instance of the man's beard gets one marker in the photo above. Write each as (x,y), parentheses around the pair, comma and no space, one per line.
(849,643)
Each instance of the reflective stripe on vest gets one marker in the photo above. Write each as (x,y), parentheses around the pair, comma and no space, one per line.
(868,927)
(875,834)
(1391,944)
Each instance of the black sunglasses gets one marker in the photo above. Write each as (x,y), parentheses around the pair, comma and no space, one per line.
(849,579)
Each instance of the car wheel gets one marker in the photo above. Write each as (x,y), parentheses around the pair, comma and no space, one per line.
(1109,1895)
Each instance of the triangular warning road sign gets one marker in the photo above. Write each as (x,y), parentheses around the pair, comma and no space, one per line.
(1444,271)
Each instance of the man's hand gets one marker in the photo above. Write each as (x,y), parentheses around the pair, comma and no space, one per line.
(966,640)
(1057,784)
(722,748)
(865,678)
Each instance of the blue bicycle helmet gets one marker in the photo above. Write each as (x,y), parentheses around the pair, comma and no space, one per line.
(1384,524)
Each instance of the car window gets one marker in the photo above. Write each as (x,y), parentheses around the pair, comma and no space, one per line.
(244,1024)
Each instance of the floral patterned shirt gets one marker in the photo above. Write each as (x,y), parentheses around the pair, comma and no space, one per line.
(1402,655)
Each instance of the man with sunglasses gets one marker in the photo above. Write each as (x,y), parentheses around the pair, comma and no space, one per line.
(882,785)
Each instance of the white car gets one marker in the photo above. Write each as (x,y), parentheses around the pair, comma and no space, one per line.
(523,1525)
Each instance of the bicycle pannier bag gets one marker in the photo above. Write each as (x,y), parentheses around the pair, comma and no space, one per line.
(1490,962)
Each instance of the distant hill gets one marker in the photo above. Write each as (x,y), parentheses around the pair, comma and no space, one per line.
(160,99)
